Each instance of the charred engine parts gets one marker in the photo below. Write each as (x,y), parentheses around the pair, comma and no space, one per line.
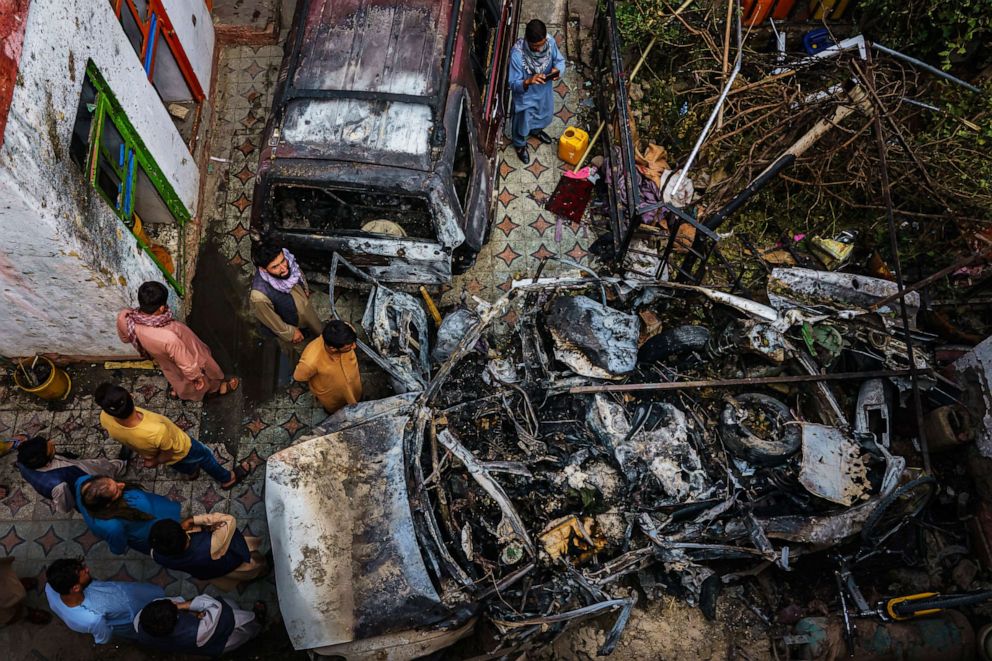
(560,463)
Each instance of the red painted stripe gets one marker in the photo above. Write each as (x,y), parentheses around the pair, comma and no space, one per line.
(167,31)
(13,21)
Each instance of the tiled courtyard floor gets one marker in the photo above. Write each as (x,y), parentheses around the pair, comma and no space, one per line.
(523,232)
(249,425)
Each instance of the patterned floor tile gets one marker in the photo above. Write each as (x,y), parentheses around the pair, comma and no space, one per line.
(208,498)
(71,427)
(508,255)
(256,426)
(128,567)
(247,501)
(44,510)
(179,490)
(166,579)
(90,544)
(8,423)
(21,499)
(49,542)
(273,435)
(34,423)
(11,539)
(69,531)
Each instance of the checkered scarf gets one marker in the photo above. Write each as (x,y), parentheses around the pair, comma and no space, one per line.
(285,285)
(135,317)
(534,61)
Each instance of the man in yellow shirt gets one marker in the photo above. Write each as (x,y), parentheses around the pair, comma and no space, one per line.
(330,367)
(158,440)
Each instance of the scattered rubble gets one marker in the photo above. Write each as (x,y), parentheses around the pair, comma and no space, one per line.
(559,472)
(688,423)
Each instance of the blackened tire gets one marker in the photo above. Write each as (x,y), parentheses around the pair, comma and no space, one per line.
(673,342)
(769,444)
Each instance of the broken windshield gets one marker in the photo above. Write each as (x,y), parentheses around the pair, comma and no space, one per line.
(328,210)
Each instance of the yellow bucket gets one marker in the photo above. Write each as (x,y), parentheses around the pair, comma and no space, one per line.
(56,386)
(572,145)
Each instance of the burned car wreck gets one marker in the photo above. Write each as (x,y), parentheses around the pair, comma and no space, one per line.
(382,140)
(618,439)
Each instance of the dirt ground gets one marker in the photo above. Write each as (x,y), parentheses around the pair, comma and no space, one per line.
(664,630)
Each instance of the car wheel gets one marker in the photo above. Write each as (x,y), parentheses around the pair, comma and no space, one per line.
(759,430)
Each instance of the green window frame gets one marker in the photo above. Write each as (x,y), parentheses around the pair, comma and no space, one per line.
(114,157)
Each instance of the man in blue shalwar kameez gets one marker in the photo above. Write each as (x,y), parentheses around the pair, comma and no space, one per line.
(535,62)
(102,608)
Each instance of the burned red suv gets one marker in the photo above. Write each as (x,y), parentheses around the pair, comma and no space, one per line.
(382,143)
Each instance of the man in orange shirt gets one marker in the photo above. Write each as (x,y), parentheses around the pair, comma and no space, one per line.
(330,367)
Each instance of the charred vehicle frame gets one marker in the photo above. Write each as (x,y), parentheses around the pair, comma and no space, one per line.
(534,495)
(385,124)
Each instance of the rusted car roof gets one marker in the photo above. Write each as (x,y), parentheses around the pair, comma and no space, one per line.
(366,81)
(373,46)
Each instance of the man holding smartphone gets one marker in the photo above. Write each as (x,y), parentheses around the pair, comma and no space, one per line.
(535,62)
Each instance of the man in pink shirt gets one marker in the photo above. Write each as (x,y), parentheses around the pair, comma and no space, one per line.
(184,359)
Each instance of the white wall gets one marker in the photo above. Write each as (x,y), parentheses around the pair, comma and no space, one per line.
(198,39)
(67,264)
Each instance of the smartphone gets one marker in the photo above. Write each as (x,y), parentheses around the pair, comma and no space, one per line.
(553,75)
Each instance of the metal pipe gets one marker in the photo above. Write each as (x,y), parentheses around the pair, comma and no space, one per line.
(749,191)
(896,262)
(628,166)
(716,109)
(585,154)
(914,102)
(862,44)
(920,284)
(644,56)
(926,67)
(758,381)
(971,125)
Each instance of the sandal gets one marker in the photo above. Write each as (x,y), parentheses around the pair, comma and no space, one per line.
(229,386)
(226,388)
(241,471)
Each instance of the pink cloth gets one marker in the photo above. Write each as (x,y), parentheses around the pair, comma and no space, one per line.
(180,354)
(135,317)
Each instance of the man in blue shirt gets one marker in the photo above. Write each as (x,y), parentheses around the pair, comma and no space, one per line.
(535,63)
(102,608)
